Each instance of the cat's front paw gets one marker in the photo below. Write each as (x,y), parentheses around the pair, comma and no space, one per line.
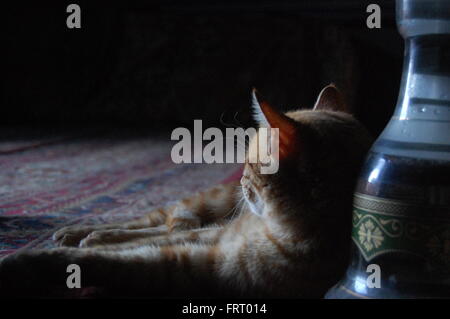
(104,237)
(72,235)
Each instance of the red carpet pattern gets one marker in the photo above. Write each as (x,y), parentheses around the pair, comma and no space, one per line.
(92,181)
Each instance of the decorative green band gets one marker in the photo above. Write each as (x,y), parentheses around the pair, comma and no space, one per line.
(384,226)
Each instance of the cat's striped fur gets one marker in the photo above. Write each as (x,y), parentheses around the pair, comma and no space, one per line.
(280,235)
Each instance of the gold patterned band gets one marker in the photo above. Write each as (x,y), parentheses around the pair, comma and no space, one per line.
(383,226)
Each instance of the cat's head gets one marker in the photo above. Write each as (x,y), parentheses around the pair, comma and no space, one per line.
(320,154)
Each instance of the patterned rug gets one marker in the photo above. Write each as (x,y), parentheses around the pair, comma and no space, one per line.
(48,186)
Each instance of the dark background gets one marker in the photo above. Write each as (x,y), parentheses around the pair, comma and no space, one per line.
(159,65)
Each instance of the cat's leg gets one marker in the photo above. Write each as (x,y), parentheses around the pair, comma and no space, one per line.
(205,207)
(127,239)
(72,235)
(116,236)
(166,271)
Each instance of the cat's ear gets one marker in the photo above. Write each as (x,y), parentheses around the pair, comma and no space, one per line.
(258,114)
(330,98)
(269,117)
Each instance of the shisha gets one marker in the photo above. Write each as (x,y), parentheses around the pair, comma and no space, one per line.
(401,208)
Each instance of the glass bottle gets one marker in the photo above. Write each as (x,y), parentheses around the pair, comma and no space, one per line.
(401,208)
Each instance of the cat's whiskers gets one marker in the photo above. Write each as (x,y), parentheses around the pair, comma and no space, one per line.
(239,206)
(226,124)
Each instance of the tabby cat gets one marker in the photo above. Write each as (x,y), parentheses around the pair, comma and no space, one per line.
(277,235)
